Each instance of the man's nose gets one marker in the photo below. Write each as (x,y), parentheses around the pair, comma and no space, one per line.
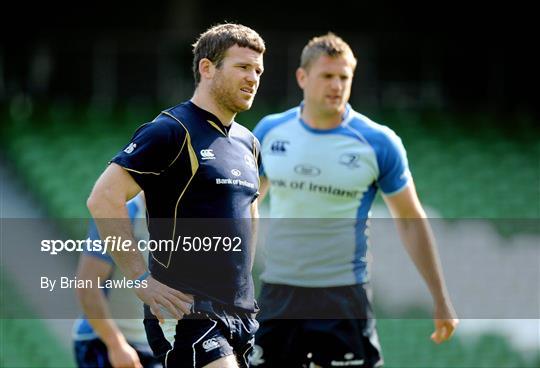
(252,77)
(335,83)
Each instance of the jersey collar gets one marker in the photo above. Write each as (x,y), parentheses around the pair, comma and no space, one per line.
(212,119)
(344,120)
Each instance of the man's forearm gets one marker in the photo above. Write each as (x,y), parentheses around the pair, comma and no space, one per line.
(418,239)
(113,221)
(94,306)
(254,231)
(130,260)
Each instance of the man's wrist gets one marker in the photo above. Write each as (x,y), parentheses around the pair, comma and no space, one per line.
(143,277)
(114,340)
(441,296)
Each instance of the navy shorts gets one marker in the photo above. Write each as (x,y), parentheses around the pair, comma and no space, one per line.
(331,327)
(201,337)
(93,354)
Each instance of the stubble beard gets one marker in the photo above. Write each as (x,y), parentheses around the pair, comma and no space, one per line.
(326,109)
(332,108)
(225,97)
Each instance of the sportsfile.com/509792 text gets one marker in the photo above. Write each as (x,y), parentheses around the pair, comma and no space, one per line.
(113,243)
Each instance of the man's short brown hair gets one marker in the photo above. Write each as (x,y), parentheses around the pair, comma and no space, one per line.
(328,44)
(214,43)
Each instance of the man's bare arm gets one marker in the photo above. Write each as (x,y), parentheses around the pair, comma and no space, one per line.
(264,187)
(254,209)
(417,237)
(96,308)
(107,204)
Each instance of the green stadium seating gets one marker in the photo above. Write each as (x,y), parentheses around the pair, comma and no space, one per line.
(26,343)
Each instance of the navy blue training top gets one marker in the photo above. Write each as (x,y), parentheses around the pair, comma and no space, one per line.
(199,179)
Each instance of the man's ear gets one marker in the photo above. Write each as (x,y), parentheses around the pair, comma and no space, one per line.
(206,68)
(301,76)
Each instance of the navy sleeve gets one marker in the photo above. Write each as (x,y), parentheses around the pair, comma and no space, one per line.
(153,148)
(257,145)
(259,132)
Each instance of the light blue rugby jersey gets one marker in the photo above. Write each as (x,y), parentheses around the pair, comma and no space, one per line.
(323,183)
(122,302)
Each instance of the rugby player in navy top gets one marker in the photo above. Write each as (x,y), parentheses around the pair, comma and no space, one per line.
(194,161)
(337,160)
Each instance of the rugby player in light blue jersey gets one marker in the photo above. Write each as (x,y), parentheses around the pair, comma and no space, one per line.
(111,333)
(325,162)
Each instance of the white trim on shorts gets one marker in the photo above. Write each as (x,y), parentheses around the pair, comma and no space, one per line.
(252,341)
(167,334)
(202,337)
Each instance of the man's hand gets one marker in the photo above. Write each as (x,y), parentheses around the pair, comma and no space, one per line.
(157,295)
(419,242)
(122,355)
(445,321)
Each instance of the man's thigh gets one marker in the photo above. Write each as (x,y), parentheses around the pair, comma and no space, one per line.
(225,362)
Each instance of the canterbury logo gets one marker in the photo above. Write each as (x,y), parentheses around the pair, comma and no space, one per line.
(210,344)
(279,146)
(208,154)
(130,148)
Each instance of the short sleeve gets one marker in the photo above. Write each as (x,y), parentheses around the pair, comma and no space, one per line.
(259,132)
(394,174)
(257,146)
(152,149)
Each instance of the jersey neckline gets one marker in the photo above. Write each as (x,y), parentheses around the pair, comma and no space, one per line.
(344,121)
(212,119)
